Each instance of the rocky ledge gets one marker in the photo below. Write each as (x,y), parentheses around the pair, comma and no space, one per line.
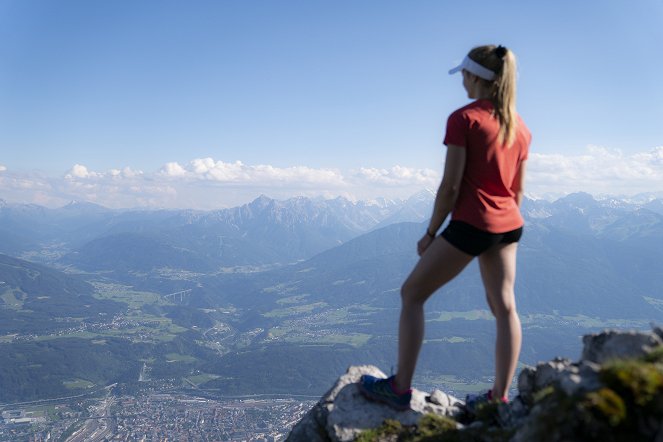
(613,393)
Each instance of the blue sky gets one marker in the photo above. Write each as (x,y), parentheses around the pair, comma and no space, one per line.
(209,103)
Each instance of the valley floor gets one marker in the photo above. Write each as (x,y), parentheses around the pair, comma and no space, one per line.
(155,416)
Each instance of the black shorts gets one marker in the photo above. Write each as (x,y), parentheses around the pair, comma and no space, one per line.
(473,241)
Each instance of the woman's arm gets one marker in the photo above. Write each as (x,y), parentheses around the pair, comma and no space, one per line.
(454,167)
(518,186)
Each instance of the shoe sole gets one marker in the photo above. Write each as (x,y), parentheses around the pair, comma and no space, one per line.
(369,395)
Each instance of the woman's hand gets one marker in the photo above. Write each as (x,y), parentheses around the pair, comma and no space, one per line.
(423,243)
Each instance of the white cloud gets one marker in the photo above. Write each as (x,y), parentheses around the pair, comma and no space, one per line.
(206,183)
(598,170)
(2,168)
(127,172)
(173,170)
(242,174)
(399,175)
(79,171)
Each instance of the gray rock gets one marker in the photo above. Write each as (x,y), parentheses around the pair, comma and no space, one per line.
(589,372)
(444,404)
(570,383)
(439,397)
(343,412)
(612,344)
(549,373)
(658,331)
(313,426)
(589,367)
(569,377)
(526,384)
(518,411)
(310,427)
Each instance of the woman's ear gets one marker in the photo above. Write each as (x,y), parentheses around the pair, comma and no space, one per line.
(470,77)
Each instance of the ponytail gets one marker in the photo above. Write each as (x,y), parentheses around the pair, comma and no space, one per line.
(502,61)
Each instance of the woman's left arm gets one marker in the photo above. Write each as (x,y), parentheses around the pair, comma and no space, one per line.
(445,200)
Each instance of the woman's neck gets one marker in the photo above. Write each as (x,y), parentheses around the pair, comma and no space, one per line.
(483,94)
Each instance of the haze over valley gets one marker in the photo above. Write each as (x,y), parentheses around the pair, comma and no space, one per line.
(280,296)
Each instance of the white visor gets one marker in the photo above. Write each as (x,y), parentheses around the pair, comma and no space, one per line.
(472,66)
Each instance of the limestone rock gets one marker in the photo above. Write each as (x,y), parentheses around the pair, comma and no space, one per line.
(526,384)
(613,344)
(548,373)
(343,412)
(543,375)
(658,331)
(313,426)
(439,397)
(558,400)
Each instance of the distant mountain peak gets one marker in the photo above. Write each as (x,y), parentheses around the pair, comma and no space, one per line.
(381,202)
(422,195)
(261,202)
(79,203)
(75,205)
(578,199)
(262,198)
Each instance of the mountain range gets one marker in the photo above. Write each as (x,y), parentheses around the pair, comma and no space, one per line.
(313,281)
(262,232)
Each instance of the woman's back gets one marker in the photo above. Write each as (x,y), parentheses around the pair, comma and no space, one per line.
(486,198)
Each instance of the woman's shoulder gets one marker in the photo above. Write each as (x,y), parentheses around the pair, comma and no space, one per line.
(476,110)
(523,129)
(475,106)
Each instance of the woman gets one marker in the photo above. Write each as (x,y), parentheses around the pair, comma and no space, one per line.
(487,145)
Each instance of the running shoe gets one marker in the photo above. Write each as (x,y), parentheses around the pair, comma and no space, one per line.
(382,390)
(474,401)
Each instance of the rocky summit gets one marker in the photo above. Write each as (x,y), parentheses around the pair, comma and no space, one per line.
(343,414)
(613,393)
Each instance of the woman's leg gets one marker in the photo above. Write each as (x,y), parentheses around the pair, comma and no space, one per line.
(498,271)
(439,264)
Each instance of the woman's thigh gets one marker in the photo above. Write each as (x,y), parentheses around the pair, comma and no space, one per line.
(439,264)
(498,272)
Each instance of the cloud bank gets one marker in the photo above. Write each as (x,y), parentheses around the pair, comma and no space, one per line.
(599,170)
(206,183)
(207,169)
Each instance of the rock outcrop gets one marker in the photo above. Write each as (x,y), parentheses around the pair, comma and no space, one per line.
(343,413)
(613,393)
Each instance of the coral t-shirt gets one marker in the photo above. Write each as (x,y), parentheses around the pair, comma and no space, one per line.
(485,199)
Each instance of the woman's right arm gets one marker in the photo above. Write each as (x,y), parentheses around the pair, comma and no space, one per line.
(518,186)
(445,200)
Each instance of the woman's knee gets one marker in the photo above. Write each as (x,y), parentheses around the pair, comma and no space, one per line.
(490,304)
(502,306)
(412,293)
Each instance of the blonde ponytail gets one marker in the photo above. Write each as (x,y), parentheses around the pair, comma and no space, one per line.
(502,61)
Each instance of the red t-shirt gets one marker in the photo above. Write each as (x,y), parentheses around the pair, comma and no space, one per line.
(485,199)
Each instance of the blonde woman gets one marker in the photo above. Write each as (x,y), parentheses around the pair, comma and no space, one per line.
(482,188)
